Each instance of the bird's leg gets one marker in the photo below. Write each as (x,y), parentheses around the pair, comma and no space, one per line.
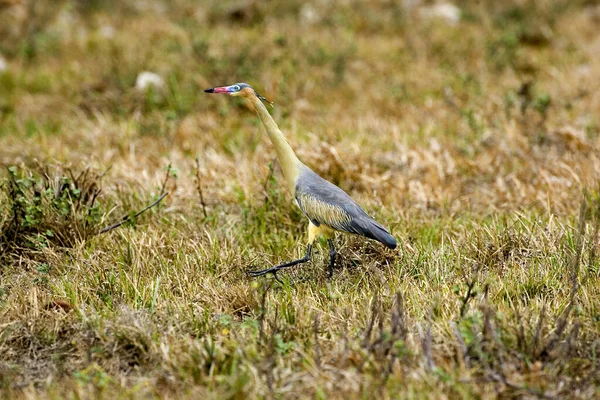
(276,268)
(332,254)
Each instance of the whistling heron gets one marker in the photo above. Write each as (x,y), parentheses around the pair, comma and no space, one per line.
(328,208)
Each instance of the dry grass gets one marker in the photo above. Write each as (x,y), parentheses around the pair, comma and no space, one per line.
(476,143)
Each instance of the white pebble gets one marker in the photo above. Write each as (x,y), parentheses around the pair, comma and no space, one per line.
(107,31)
(148,79)
(446,11)
(309,15)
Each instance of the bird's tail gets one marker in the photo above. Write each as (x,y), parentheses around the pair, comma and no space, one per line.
(374,230)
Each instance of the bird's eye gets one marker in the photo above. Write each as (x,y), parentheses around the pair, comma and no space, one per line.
(236,88)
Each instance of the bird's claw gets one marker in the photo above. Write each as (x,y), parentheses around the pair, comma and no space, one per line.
(277,278)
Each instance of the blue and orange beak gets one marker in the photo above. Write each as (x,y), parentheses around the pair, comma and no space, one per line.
(221,89)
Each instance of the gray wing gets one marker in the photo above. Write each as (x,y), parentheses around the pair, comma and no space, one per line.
(325,203)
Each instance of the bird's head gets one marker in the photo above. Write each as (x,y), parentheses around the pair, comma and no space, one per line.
(237,89)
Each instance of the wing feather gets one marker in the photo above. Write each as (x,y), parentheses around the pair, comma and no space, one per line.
(325,203)
(321,212)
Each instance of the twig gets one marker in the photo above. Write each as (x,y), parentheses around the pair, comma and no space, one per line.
(91,206)
(106,171)
(467,297)
(128,216)
(164,184)
(199,187)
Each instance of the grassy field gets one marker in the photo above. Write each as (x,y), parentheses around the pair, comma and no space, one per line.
(474,140)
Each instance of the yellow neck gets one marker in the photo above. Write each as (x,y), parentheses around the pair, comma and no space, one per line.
(288,160)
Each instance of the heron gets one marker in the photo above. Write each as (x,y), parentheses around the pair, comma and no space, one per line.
(328,208)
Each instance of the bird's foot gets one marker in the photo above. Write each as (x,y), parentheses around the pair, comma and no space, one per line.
(277,278)
(273,271)
(276,268)
(262,272)
(332,254)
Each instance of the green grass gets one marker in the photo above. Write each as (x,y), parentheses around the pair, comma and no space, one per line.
(475,143)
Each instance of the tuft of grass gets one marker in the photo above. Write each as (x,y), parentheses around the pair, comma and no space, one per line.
(47,208)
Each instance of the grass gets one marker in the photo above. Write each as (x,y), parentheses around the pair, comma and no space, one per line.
(476,143)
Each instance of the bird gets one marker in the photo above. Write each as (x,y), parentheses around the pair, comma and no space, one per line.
(328,208)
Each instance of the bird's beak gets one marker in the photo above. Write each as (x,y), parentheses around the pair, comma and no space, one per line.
(222,89)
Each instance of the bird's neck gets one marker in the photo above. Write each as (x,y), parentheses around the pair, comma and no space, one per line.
(288,160)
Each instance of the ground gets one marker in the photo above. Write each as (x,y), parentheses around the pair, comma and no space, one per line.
(470,130)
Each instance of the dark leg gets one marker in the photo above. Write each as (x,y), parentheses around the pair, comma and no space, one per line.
(278,267)
(332,254)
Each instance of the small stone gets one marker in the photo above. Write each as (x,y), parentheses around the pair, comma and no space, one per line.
(107,31)
(309,15)
(147,79)
(445,11)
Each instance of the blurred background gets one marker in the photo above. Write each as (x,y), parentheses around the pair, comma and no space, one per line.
(436,105)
